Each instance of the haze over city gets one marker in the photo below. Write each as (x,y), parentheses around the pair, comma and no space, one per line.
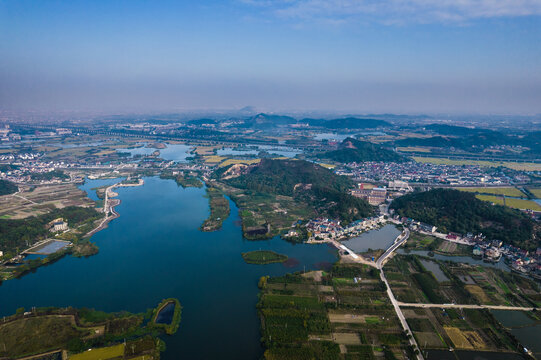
(348,56)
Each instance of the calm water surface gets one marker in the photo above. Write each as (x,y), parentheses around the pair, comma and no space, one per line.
(173,152)
(525,329)
(435,269)
(380,238)
(153,251)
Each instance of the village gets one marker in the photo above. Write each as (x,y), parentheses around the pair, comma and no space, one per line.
(427,173)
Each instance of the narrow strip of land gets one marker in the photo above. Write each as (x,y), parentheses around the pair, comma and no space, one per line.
(466,306)
(401,239)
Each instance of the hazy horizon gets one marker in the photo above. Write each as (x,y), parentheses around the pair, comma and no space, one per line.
(352,56)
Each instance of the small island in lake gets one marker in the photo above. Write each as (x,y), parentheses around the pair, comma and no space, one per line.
(167,316)
(262,257)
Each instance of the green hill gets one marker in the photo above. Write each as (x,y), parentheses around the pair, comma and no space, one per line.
(281,176)
(453,210)
(348,123)
(308,183)
(352,150)
(7,187)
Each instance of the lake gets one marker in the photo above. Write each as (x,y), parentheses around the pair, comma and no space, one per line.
(155,250)
(173,152)
(380,238)
(254,151)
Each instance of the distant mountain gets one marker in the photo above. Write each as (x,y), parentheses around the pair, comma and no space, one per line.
(462,212)
(348,123)
(477,140)
(352,150)
(265,121)
(444,129)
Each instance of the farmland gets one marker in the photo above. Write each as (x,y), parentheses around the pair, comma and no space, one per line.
(511,202)
(507,191)
(511,165)
(342,314)
(219,209)
(33,201)
(466,329)
(412,282)
(75,331)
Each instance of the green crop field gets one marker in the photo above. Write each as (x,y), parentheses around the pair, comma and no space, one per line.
(514,203)
(508,164)
(109,352)
(536,192)
(507,191)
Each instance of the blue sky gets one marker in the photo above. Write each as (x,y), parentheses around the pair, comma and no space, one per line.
(406,56)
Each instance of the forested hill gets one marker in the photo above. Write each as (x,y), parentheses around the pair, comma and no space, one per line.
(462,212)
(7,187)
(352,150)
(348,123)
(281,176)
(309,183)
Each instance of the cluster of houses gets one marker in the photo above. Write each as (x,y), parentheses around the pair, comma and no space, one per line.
(437,174)
(325,229)
(518,259)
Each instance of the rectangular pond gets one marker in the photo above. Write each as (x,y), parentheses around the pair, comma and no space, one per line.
(50,247)
(433,267)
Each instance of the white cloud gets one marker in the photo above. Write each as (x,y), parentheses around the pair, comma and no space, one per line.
(397,11)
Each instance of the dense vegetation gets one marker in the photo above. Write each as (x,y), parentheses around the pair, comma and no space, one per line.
(308,183)
(348,123)
(262,257)
(183,179)
(453,210)
(17,234)
(219,210)
(281,177)
(48,176)
(352,150)
(7,187)
(49,329)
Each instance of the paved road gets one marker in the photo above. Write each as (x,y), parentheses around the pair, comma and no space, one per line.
(397,243)
(465,306)
(379,264)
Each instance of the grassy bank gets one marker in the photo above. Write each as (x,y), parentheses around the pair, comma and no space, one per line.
(172,327)
(219,210)
(110,335)
(183,179)
(262,257)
